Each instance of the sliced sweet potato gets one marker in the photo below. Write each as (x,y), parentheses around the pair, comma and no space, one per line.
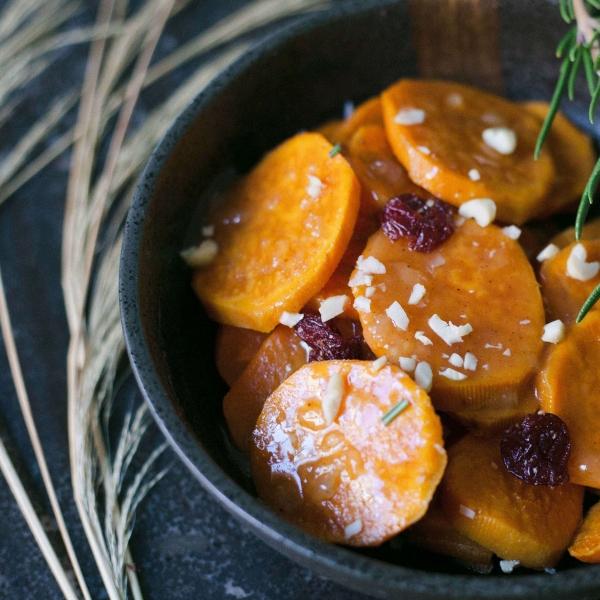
(441,151)
(279,356)
(350,479)
(234,349)
(281,234)
(573,151)
(586,544)
(381,177)
(590,231)
(434,532)
(480,277)
(569,386)
(532,524)
(563,295)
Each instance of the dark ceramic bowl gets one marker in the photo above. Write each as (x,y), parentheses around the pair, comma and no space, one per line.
(295,80)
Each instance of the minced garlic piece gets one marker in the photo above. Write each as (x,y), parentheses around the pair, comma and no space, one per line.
(398,315)
(409,116)
(501,139)
(554,332)
(507,566)
(361,278)
(332,399)
(202,255)
(483,210)
(417,293)
(290,319)
(424,376)
(577,267)
(550,251)
(370,291)
(332,307)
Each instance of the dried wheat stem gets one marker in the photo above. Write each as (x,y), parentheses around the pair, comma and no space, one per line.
(76,186)
(17,375)
(36,528)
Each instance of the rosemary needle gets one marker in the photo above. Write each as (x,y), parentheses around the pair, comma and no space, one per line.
(337,148)
(391,414)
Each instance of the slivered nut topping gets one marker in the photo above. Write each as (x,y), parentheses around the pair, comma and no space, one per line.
(417,294)
(483,210)
(315,187)
(407,364)
(397,315)
(550,251)
(554,332)
(409,116)
(450,333)
(470,361)
(474,175)
(362,304)
(452,374)
(501,139)
(353,529)
(202,255)
(421,337)
(290,319)
(577,267)
(512,231)
(424,376)
(332,307)
(332,399)
(370,265)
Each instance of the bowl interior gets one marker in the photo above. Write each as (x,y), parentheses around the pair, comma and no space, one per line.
(293,81)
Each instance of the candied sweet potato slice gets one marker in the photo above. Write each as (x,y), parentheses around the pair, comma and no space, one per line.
(532,524)
(435,532)
(590,231)
(564,295)
(281,234)
(568,385)
(586,543)
(478,276)
(573,151)
(381,177)
(445,152)
(279,356)
(348,478)
(234,349)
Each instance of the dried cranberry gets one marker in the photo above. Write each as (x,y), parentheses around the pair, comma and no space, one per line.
(537,450)
(325,340)
(426,223)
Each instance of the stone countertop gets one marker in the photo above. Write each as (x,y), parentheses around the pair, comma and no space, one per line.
(184,545)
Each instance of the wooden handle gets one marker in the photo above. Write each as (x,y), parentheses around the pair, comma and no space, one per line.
(458,40)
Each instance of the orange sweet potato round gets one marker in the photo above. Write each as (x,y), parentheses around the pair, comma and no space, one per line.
(480,277)
(586,544)
(563,295)
(570,149)
(235,348)
(279,356)
(532,524)
(281,235)
(441,151)
(569,386)
(435,532)
(355,480)
(590,231)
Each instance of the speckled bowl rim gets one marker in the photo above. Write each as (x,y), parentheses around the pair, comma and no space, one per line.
(371,576)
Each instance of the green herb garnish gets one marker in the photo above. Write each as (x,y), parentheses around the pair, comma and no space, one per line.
(337,148)
(580,46)
(391,414)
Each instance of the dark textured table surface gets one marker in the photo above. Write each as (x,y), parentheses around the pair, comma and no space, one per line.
(185,546)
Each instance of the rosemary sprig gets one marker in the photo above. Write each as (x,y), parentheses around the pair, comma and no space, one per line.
(579,46)
(391,414)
